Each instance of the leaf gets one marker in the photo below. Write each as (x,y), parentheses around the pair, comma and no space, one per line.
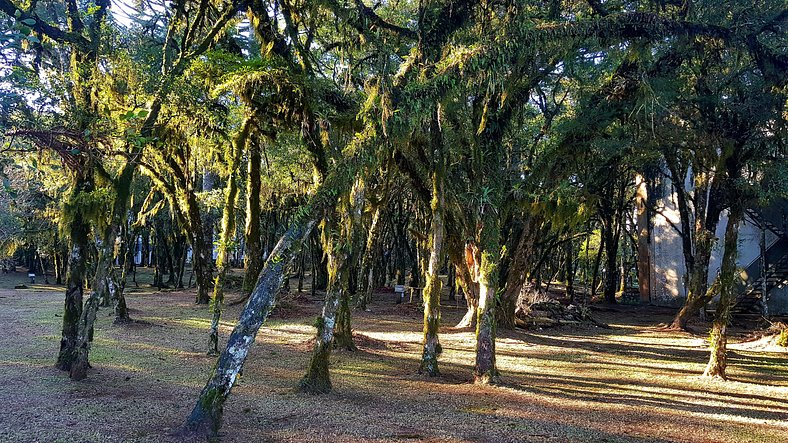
(29,21)
(33,39)
(75,151)
(143,113)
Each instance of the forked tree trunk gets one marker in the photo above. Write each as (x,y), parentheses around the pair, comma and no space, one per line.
(106,284)
(707,216)
(718,337)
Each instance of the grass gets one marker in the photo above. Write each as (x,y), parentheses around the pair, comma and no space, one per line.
(631,383)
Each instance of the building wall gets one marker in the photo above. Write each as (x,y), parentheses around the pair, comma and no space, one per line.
(669,280)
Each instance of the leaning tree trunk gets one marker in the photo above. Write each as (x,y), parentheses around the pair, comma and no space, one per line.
(206,416)
(432,284)
(76,270)
(253,256)
(718,337)
(227,236)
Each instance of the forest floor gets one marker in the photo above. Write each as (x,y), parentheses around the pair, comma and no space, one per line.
(633,382)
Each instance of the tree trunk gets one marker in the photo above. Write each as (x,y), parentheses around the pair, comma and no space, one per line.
(206,416)
(367,273)
(450,282)
(570,271)
(707,215)
(470,289)
(595,271)
(518,272)
(317,379)
(432,284)
(76,270)
(106,284)
(227,236)
(487,259)
(201,250)
(718,337)
(121,309)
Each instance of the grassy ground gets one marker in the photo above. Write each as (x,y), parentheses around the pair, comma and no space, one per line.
(633,382)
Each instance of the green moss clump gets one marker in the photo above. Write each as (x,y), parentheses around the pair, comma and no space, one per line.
(782,339)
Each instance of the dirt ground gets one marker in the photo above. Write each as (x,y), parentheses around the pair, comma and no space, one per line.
(631,383)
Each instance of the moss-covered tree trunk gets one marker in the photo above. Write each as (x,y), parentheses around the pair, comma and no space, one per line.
(121,308)
(106,279)
(201,250)
(253,255)
(366,277)
(470,289)
(708,203)
(487,257)
(343,329)
(76,268)
(317,379)
(207,413)
(718,337)
(431,347)
(227,235)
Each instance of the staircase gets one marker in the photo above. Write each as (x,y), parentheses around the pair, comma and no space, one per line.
(751,297)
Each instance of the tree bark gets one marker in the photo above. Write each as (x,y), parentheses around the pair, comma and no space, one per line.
(227,235)
(708,203)
(718,337)
(206,416)
(367,274)
(433,285)
(610,236)
(470,289)
(487,259)
(76,269)
(317,379)
(201,250)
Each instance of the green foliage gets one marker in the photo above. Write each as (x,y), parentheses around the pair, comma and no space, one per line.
(782,338)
